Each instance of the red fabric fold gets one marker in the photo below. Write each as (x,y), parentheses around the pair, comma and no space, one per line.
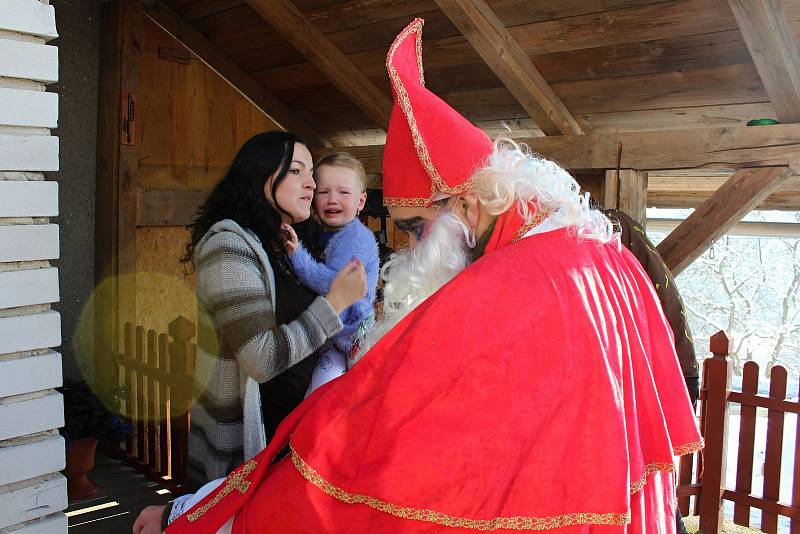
(540,383)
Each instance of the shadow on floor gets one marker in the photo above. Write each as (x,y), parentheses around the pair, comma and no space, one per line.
(121,496)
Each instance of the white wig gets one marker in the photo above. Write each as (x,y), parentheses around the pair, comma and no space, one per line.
(514,174)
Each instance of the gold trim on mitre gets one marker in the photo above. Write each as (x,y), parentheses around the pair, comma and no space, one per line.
(438,518)
(404,102)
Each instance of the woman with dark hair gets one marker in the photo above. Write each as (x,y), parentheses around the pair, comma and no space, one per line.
(259,327)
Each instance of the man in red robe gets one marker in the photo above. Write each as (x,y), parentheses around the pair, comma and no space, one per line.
(523,376)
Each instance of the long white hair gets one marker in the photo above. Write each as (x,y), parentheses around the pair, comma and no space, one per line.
(514,174)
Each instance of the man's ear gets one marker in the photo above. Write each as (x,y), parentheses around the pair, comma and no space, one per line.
(469,209)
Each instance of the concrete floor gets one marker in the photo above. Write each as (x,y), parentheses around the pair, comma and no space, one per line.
(122,494)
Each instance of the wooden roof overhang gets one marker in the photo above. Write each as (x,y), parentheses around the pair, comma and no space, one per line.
(612,86)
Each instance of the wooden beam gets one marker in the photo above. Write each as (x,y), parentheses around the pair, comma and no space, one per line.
(287,20)
(626,190)
(713,148)
(743,191)
(692,191)
(774,53)
(172,23)
(490,38)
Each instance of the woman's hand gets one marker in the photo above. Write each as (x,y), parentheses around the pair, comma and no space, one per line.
(290,239)
(349,286)
(149,521)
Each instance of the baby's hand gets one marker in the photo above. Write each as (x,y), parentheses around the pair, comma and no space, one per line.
(290,239)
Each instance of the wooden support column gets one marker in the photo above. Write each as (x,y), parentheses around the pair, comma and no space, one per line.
(626,190)
(116,195)
(743,191)
(774,53)
(287,20)
(498,48)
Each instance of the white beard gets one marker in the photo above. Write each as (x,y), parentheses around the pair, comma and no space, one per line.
(412,275)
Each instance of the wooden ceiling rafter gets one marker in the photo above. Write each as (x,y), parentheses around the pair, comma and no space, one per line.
(742,192)
(183,32)
(768,38)
(290,22)
(498,48)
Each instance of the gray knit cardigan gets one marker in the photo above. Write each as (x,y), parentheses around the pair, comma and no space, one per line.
(239,346)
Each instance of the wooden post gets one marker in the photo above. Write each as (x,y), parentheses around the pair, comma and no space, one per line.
(181,330)
(626,190)
(611,190)
(773,453)
(116,198)
(163,441)
(152,364)
(140,396)
(718,379)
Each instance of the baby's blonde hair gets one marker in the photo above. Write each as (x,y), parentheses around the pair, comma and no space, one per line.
(343,159)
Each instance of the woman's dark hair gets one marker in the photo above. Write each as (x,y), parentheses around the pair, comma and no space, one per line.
(240,194)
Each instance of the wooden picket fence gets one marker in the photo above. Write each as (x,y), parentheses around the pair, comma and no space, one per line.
(703,475)
(157,372)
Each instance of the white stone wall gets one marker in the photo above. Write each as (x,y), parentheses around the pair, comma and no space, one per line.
(33,493)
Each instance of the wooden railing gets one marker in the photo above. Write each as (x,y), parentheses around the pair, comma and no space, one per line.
(711,487)
(157,373)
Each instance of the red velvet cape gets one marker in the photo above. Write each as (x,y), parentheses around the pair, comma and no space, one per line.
(538,389)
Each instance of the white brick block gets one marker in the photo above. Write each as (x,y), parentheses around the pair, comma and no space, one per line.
(33,499)
(32,373)
(28,16)
(28,152)
(28,332)
(21,462)
(28,108)
(28,287)
(32,61)
(29,416)
(27,242)
(25,198)
(54,524)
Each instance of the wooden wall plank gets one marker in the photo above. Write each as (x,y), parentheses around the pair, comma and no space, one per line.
(29,416)
(29,153)
(28,287)
(32,61)
(318,49)
(29,460)
(28,108)
(746,189)
(28,199)
(170,208)
(31,373)
(197,43)
(32,499)
(774,53)
(29,332)
(28,16)
(484,30)
(27,242)
(692,191)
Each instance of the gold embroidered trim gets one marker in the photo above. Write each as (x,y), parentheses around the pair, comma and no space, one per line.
(431,516)
(405,104)
(406,202)
(637,486)
(688,448)
(235,481)
(540,216)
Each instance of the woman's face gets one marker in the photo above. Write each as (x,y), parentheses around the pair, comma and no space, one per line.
(295,193)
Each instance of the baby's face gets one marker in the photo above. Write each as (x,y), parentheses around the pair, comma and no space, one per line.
(338,197)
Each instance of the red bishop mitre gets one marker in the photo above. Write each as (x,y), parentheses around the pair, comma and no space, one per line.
(430,147)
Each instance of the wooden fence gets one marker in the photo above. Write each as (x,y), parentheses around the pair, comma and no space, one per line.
(157,372)
(711,488)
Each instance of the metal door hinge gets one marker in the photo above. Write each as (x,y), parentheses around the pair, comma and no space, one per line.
(128,122)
